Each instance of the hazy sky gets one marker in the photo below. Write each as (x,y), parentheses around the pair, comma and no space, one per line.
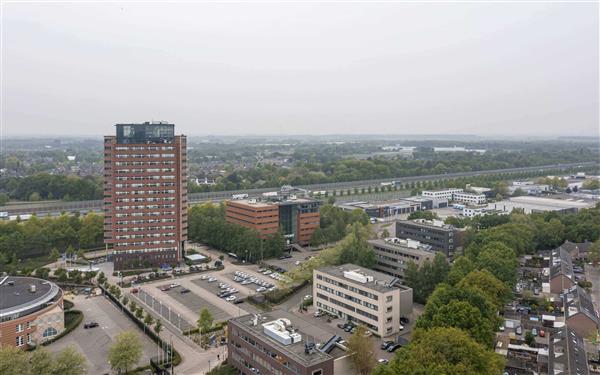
(302,68)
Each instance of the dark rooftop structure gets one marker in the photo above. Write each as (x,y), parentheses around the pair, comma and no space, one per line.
(577,300)
(22,295)
(561,263)
(567,353)
(147,132)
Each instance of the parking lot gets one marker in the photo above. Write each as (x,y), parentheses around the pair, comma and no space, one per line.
(195,303)
(165,311)
(94,343)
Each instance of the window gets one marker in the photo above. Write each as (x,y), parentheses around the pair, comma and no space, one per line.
(388,299)
(28,324)
(29,339)
(19,340)
(50,332)
(19,328)
(317,372)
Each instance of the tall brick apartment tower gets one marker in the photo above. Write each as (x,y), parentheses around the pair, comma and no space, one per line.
(145,195)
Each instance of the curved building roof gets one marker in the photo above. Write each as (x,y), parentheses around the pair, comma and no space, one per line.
(22,295)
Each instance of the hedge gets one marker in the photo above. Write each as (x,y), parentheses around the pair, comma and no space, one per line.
(217,327)
(279,295)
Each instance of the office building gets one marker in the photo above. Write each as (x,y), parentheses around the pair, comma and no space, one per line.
(298,218)
(362,296)
(145,195)
(469,198)
(254,214)
(274,343)
(31,311)
(440,236)
(441,193)
(394,254)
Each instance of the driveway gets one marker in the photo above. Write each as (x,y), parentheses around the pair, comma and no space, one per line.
(94,343)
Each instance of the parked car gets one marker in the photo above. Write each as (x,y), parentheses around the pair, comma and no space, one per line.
(90,325)
(383,361)
(184,290)
(404,321)
(534,332)
(519,330)
(231,298)
(174,285)
(165,288)
(393,348)
(135,290)
(386,344)
(238,301)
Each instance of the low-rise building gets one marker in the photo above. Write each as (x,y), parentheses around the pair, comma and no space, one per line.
(577,250)
(531,204)
(567,354)
(561,274)
(363,296)
(271,344)
(394,254)
(31,311)
(441,193)
(441,237)
(580,314)
(469,198)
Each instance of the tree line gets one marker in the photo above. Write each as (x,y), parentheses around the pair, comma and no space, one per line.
(43,186)
(37,236)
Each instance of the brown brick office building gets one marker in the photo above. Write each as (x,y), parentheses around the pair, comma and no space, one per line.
(145,195)
(298,218)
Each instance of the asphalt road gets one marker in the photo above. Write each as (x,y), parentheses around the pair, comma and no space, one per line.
(56,207)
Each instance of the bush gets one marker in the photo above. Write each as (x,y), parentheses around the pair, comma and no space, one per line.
(68,305)
(223,369)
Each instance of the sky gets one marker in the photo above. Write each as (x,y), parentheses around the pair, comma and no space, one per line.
(295,68)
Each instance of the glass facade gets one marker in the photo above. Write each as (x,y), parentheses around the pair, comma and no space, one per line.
(145,133)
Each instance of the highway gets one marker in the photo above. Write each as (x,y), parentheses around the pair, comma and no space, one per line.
(56,207)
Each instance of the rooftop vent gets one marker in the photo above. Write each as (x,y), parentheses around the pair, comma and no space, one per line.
(359,276)
(32,288)
(281,330)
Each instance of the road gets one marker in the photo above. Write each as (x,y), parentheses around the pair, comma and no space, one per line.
(56,207)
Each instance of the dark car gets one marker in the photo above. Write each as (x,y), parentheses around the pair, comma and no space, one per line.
(341,325)
(238,301)
(90,325)
(404,321)
(184,290)
(393,348)
(386,344)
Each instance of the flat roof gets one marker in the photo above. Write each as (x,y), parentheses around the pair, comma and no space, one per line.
(254,203)
(16,297)
(427,224)
(194,257)
(308,331)
(380,281)
(422,250)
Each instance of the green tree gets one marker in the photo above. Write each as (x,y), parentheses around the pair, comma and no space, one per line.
(41,362)
(529,338)
(132,306)
(101,278)
(158,327)
(69,362)
(54,255)
(13,361)
(460,314)
(148,320)
(205,320)
(484,281)
(460,268)
(80,254)
(139,313)
(385,233)
(126,352)
(500,260)
(125,300)
(3,199)
(424,279)
(593,253)
(356,249)
(361,351)
(442,351)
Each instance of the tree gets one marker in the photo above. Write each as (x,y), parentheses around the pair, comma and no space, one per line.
(158,327)
(361,351)
(69,362)
(54,255)
(125,301)
(385,233)
(484,281)
(529,338)
(80,254)
(205,321)
(41,362)
(442,351)
(3,199)
(101,278)
(148,320)
(132,306)
(460,268)
(356,249)
(139,313)
(500,260)
(13,361)
(460,314)
(126,352)
(593,253)
(424,279)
